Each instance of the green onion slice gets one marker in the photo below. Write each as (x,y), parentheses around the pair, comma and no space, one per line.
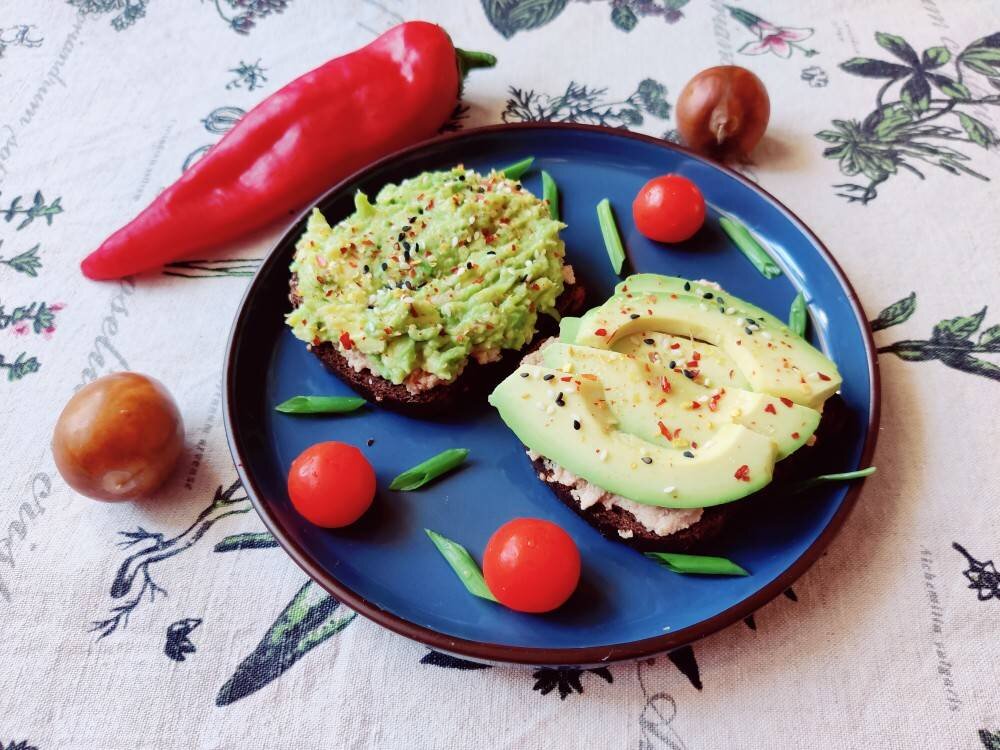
(550,192)
(846,476)
(749,246)
(697,564)
(461,562)
(515,170)
(798,318)
(429,470)
(320,404)
(609,230)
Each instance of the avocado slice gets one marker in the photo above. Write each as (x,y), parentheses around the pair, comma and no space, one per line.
(714,366)
(772,358)
(570,423)
(568,326)
(663,406)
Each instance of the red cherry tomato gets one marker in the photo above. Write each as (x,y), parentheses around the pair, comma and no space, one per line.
(531,565)
(331,484)
(669,208)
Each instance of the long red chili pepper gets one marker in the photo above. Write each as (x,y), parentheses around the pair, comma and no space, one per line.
(298,142)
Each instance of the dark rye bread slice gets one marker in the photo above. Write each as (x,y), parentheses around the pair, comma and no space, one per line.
(719,519)
(474,382)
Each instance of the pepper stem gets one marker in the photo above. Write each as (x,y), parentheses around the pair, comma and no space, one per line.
(469,59)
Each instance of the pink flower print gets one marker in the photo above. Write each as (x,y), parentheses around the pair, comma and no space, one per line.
(20,329)
(780,41)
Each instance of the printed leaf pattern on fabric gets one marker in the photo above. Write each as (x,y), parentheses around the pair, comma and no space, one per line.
(951,340)
(218,122)
(983,577)
(27,213)
(20,745)
(437,659)
(243,15)
(511,16)
(27,262)
(990,740)
(134,573)
(592,106)
(896,135)
(310,618)
(179,643)
(18,368)
(896,313)
(126,12)
(566,679)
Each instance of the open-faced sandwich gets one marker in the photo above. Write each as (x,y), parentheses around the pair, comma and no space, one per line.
(656,410)
(423,295)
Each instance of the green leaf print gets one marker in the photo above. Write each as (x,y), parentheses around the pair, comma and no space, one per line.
(309,619)
(23,365)
(922,126)
(958,329)
(27,262)
(950,343)
(510,16)
(624,17)
(990,740)
(896,313)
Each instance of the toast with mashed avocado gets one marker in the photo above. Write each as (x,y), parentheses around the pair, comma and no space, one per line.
(432,291)
(659,409)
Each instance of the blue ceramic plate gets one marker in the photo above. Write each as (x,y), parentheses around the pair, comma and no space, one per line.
(627,606)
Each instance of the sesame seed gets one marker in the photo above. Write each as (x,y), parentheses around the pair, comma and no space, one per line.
(648,342)
(708,295)
(690,374)
(688,454)
(472,220)
(730,310)
(749,331)
(672,364)
(559,400)
(385,266)
(634,316)
(412,219)
(548,376)
(406,228)
(454,241)
(524,374)
(647,460)
(468,265)
(576,424)
(366,269)
(687,286)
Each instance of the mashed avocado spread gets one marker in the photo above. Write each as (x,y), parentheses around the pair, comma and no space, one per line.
(439,268)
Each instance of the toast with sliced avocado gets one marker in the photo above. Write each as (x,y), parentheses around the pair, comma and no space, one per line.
(652,417)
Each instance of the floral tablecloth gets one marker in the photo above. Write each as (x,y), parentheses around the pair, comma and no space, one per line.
(179,624)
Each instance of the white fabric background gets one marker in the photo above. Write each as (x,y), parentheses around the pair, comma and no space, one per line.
(853,663)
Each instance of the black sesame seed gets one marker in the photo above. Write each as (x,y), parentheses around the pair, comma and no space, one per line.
(400,237)
(385,266)
(721,300)
(673,364)
(491,252)
(367,269)
(469,265)
(461,177)
(647,460)
(408,285)
(687,286)
(576,424)
(648,342)
(749,331)
(708,295)
(689,374)
(559,400)
(480,190)
(406,255)
(548,376)
(420,211)
(688,454)
(371,307)
(524,374)
(406,245)
(634,316)
(412,219)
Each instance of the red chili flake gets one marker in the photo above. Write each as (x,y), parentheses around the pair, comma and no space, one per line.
(695,405)
(489,326)
(694,445)
(649,312)
(696,356)
(743,473)
(488,238)
(770,409)
(387,330)
(673,296)
(795,436)
(601,332)
(316,341)
(713,402)
(665,431)
(675,345)
(664,384)
(345,341)
(505,220)
(588,376)
(787,402)
(661,402)
(822,376)
(625,287)
(535,287)
(566,379)
(430,205)
(693,364)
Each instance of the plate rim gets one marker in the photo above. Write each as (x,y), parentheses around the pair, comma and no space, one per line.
(532,655)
